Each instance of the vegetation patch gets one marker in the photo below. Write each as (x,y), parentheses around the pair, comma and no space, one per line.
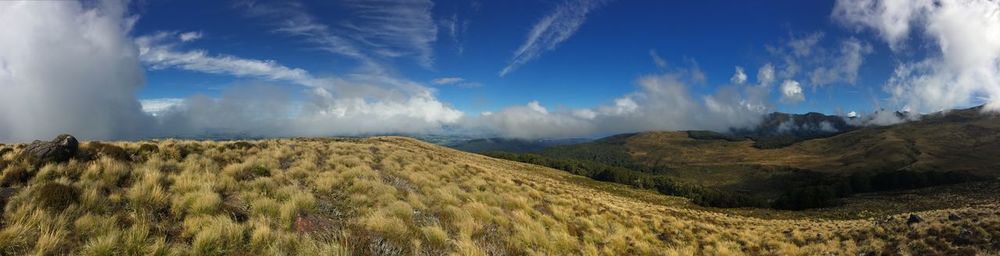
(94,149)
(398,196)
(56,196)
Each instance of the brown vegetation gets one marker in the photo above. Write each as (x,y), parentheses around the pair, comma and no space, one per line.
(399,196)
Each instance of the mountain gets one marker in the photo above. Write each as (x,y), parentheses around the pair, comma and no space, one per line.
(401,196)
(959,145)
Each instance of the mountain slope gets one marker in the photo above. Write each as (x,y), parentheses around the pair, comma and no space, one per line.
(398,196)
(959,144)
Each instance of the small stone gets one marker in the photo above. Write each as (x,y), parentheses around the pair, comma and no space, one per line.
(914,219)
(953,217)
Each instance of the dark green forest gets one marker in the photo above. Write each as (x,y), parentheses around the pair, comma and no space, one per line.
(807,190)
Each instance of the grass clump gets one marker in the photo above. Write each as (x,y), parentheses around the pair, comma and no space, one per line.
(56,196)
(397,196)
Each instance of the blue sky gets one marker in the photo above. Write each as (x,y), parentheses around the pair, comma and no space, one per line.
(600,61)
(123,69)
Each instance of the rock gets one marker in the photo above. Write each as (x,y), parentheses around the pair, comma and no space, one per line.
(953,217)
(965,237)
(61,149)
(914,219)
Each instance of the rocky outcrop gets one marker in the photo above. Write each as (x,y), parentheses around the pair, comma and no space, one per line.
(61,149)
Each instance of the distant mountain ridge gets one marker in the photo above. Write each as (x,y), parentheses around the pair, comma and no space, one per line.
(775,159)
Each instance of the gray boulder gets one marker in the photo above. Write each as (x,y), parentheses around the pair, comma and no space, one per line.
(61,149)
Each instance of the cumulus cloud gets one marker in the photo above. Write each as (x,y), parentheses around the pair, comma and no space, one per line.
(963,67)
(739,77)
(791,92)
(765,75)
(660,102)
(552,30)
(66,68)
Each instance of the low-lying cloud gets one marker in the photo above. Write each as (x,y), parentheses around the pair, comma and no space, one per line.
(963,66)
(66,69)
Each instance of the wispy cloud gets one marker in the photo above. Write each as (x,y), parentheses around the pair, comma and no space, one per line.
(394,27)
(190,36)
(158,51)
(357,103)
(447,80)
(455,81)
(371,30)
(552,30)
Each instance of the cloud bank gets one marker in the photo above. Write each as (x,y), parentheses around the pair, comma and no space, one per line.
(660,102)
(963,66)
(67,69)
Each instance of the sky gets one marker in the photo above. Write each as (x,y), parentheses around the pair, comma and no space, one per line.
(113,69)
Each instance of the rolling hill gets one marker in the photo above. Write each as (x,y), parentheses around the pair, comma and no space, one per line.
(400,196)
(962,144)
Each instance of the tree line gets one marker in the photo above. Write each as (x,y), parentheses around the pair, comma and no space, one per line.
(821,190)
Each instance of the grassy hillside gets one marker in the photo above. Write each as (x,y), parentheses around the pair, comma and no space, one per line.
(400,196)
(940,149)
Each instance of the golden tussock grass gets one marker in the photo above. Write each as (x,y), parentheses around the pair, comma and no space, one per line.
(399,196)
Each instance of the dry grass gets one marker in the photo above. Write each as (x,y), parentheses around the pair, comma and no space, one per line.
(398,196)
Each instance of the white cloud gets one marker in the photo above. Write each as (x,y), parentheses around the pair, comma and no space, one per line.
(661,102)
(456,29)
(739,77)
(368,31)
(659,61)
(68,69)
(159,53)
(156,107)
(890,18)
(964,35)
(791,92)
(535,106)
(447,80)
(844,66)
(803,47)
(765,75)
(190,36)
(852,114)
(552,30)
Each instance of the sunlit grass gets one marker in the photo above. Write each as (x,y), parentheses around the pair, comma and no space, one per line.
(388,195)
